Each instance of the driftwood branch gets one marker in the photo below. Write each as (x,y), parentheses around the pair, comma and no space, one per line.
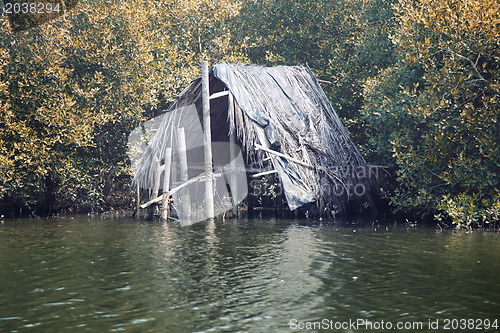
(200,177)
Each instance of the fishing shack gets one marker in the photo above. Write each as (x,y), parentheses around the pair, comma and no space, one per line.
(238,124)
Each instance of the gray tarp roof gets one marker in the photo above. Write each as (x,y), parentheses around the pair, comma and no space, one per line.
(260,92)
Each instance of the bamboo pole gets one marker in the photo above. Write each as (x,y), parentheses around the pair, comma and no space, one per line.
(166,183)
(209,195)
(233,154)
(186,201)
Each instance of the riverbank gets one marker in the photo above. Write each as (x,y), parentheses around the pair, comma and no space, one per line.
(120,202)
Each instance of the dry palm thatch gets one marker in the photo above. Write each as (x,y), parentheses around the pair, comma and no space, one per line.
(285,110)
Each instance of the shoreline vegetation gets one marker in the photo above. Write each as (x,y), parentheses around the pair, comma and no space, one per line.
(417,85)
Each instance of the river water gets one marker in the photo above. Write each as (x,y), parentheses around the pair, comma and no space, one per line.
(88,275)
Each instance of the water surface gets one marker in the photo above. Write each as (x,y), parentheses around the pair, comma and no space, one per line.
(83,275)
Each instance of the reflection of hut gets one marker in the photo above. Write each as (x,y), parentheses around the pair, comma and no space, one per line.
(283,124)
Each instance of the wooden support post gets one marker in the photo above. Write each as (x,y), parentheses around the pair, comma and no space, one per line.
(186,200)
(138,209)
(233,154)
(166,183)
(205,95)
(156,187)
(173,176)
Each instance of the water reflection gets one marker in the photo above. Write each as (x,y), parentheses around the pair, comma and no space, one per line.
(233,273)
(232,276)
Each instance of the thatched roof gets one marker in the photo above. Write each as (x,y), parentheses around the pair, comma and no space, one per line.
(288,105)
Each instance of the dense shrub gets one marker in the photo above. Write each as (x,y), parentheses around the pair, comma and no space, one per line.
(434,115)
(73,89)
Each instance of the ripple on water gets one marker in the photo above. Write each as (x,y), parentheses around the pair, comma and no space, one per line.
(237,276)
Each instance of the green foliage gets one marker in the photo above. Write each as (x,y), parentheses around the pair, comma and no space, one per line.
(468,210)
(434,115)
(71,92)
(61,98)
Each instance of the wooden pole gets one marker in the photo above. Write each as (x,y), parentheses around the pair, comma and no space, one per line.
(156,187)
(138,209)
(207,140)
(186,201)
(166,183)
(233,154)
